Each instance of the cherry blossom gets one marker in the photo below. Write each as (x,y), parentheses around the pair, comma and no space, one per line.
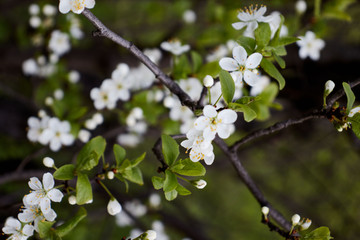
(241,65)
(310,46)
(175,47)
(14,228)
(250,17)
(59,42)
(76,6)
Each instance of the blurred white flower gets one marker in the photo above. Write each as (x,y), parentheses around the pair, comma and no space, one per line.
(310,46)
(30,67)
(250,17)
(49,10)
(174,46)
(189,16)
(34,9)
(35,21)
(208,81)
(300,6)
(84,135)
(59,42)
(200,184)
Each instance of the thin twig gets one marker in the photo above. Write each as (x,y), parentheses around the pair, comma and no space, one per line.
(340,93)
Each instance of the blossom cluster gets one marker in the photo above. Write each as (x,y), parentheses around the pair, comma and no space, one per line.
(37,207)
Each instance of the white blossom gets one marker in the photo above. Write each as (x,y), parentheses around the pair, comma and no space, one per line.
(105,96)
(200,184)
(208,81)
(74,76)
(48,162)
(310,46)
(30,67)
(242,66)
(43,194)
(192,86)
(35,21)
(262,83)
(154,200)
(58,94)
(76,6)
(14,228)
(113,207)
(72,200)
(59,42)
(354,111)
(295,219)
(110,175)
(175,47)
(300,6)
(36,127)
(329,87)
(250,17)
(189,16)
(305,225)
(150,235)
(129,139)
(49,10)
(34,9)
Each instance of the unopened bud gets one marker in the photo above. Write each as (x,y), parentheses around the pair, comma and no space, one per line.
(110,175)
(48,162)
(300,6)
(329,87)
(151,235)
(72,200)
(305,225)
(113,207)
(295,219)
(49,101)
(265,210)
(208,81)
(200,184)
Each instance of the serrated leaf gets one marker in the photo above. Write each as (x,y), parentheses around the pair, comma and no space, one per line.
(262,35)
(279,60)
(68,226)
(170,149)
(182,190)
(170,182)
(90,154)
(350,97)
(44,228)
(134,175)
(157,182)
(270,69)
(247,43)
(227,86)
(321,233)
(83,189)
(119,153)
(65,172)
(171,195)
(190,168)
(138,160)
(196,61)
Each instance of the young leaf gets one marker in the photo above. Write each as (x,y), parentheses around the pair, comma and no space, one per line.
(262,35)
(158,182)
(65,172)
(182,190)
(134,175)
(67,227)
(170,182)
(247,43)
(90,154)
(350,97)
(119,153)
(270,69)
(249,114)
(321,233)
(138,160)
(287,40)
(171,195)
(170,149)
(279,60)
(190,168)
(227,86)
(83,189)
(45,228)
(196,61)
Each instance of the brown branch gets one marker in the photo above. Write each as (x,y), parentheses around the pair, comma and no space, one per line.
(104,31)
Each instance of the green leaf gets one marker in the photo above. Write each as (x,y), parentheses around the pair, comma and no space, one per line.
(45,228)
(134,175)
(247,99)
(286,41)
(262,35)
(280,50)
(247,43)
(279,60)
(119,153)
(171,195)
(350,97)
(170,182)
(71,224)
(270,69)
(337,9)
(83,189)
(181,67)
(182,190)
(249,114)
(158,182)
(190,168)
(227,86)
(321,233)
(124,166)
(90,154)
(211,68)
(138,160)
(170,149)
(65,172)
(76,113)
(355,124)
(196,61)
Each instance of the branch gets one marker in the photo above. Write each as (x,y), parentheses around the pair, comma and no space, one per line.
(103,31)
(340,93)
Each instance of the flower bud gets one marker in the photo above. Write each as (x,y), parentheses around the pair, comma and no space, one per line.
(265,210)
(200,184)
(295,219)
(48,162)
(90,124)
(189,16)
(113,207)
(49,101)
(98,118)
(151,235)
(329,87)
(34,9)
(74,76)
(84,135)
(305,225)
(110,175)
(208,81)
(58,94)
(49,10)
(72,200)
(300,6)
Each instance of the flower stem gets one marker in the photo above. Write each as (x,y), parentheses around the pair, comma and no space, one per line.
(209,93)
(105,188)
(217,100)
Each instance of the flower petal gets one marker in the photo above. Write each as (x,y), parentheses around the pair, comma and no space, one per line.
(253,61)
(64,6)
(238,25)
(45,205)
(28,230)
(201,123)
(89,3)
(35,183)
(240,55)
(209,133)
(210,111)
(228,64)
(209,159)
(48,181)
(50,216)
(55,195)
(251,78)
(32,198)
(224,131)
(227,116)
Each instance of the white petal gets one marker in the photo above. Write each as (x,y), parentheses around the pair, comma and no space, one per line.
(67,139)
(35,183)
(228,64)
(113,207)
(238,25)
(45,205)
(201,123)
(46,136)
(11,224)
(227,116)
(34,122)
(209,159)
(32,198)
(251,78)
(50,216)
(55,195)
(186,144)
(64,6)
(224,131)
(240,55)
(28,230)
(48,181)
(27,216)
(55,144)
(209,111)
(253,61)
(252,26)
(89,3)
(209,133)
